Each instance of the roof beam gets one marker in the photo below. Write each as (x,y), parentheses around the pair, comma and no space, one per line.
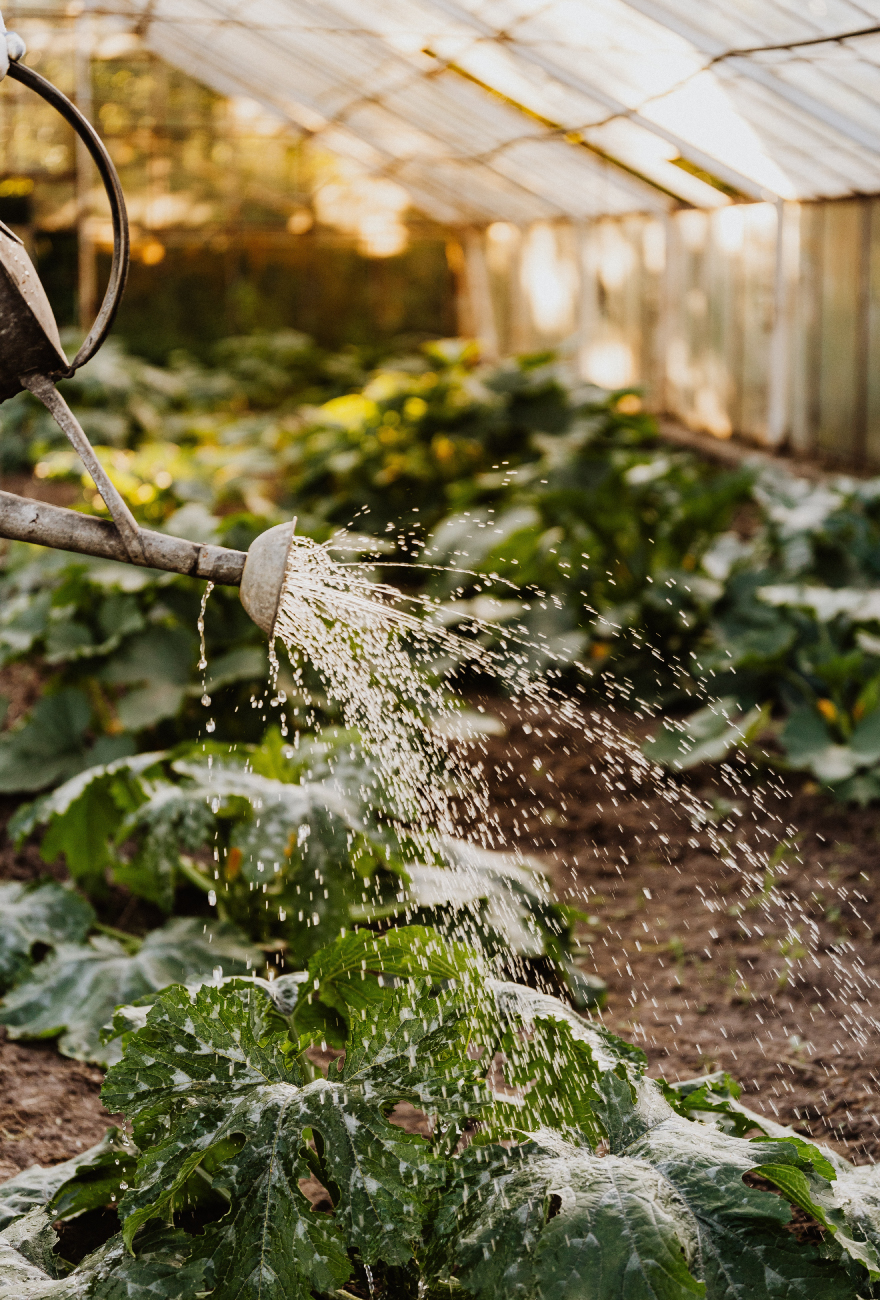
(738,181)
(360,97)
(206,57)
(764,76)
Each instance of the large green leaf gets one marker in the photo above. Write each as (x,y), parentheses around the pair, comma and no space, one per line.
(48,746)
(72,994)
(549,1219)
(665,1216)
(157,664)
(22,1277)
(500,902)
(744,1247)
(45,913)
(805,735)
(706,736)
(351,975)
(171,820)
(35,1187)
(203,1072)
(865,740)
(168,1266)
(273,822)
(83,816)
(60,801)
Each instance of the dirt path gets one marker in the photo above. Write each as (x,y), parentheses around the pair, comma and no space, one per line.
(700,973)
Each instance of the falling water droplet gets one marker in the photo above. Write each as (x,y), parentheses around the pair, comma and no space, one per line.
(210,725)
(203,659)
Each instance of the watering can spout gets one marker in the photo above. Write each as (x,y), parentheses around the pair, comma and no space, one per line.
(259,572)
(262,579)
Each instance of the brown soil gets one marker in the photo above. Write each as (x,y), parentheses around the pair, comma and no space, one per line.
(20,686)
(50,1107)
(701,971)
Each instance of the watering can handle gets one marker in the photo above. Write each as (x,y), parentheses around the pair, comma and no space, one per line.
(121,244)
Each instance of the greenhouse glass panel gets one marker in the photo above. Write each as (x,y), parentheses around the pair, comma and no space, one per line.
(688,99)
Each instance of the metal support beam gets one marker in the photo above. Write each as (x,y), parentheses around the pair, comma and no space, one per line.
(778,387)
(745,184)
(229,76)
(761,74)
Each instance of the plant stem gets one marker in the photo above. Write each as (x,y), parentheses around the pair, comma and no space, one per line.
(129,941)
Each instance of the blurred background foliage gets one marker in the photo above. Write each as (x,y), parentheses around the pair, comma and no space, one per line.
(237,223)
(549,508)
(532,513)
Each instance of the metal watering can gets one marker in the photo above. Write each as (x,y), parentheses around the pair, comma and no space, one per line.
(31,356)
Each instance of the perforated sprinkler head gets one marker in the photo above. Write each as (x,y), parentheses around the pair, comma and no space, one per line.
(265,569)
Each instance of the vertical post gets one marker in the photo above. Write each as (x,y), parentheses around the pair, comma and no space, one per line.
(465,325)
(87,280)
(479,289)
(863,337)
(778,377)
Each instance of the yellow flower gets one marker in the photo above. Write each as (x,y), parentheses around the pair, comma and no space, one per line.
(414,408)
(828,709)
(629,404)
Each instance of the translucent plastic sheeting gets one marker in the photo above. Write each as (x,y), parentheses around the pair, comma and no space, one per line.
(526,109)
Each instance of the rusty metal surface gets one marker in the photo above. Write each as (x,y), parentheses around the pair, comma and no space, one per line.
(28,333)
(69,530)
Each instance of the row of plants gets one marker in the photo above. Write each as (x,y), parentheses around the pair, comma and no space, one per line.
(538,1159)
(271,848)
(546,507)
(472,1137)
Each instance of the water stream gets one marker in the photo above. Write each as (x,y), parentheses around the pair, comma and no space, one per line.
(389,661)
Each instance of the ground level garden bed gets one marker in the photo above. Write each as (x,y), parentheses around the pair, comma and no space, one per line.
(726,987)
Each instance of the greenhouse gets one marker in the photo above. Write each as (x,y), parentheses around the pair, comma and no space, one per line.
(600,158)
(439,649)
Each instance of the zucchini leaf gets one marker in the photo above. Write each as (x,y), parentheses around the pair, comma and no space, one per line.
(45,913)
(35,1187)
(73,993)
(83,816)
(169,1266)
(550,1219)
(202,1072)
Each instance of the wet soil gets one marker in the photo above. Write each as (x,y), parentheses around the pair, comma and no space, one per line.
(770,975)
(50,1107)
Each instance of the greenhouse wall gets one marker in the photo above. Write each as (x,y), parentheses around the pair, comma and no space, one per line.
(758,320)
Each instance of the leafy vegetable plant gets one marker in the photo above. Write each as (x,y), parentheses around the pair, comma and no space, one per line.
(72,993)
(290,846)
(474,1137)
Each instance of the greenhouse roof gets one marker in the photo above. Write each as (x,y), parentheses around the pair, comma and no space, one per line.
(523,109)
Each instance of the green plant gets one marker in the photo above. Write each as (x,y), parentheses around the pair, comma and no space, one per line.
(289,845)
(41,913)
(230,1119)
(73,992)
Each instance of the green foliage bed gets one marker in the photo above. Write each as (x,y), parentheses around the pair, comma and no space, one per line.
(629,568)
(545,1164)
(286,848)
